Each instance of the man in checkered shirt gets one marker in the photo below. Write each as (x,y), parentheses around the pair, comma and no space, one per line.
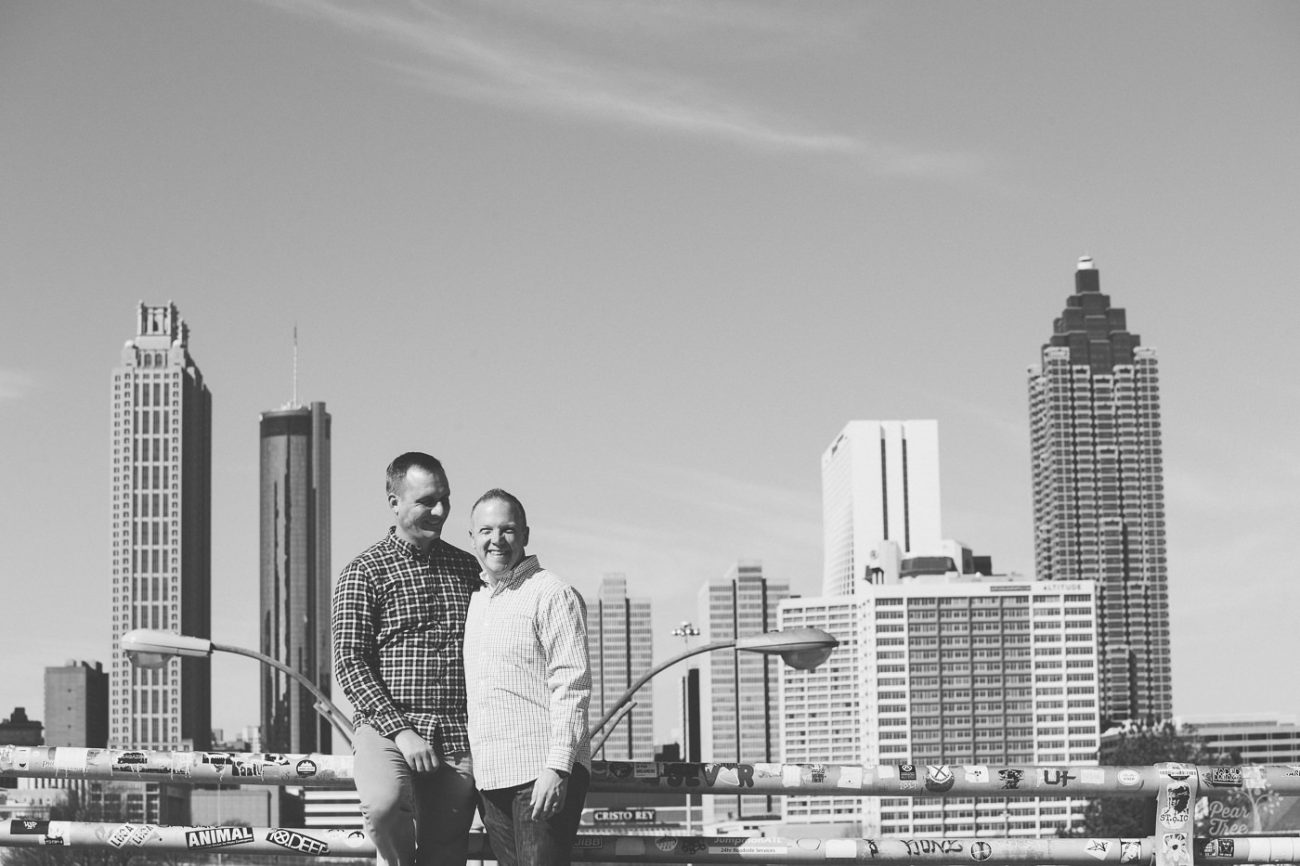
(529,685)
(398,622)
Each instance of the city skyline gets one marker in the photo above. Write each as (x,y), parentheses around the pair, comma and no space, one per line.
(639,267)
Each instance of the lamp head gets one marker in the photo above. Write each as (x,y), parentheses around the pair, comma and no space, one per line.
(149,648)
(801,648)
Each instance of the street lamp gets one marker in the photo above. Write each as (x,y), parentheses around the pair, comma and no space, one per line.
(801,648)
(150,648)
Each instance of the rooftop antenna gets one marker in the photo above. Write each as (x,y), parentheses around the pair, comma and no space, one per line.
(293,403)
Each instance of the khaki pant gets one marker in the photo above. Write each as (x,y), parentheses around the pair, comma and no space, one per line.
(415,819)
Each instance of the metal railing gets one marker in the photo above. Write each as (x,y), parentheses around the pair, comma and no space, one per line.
(1175,787)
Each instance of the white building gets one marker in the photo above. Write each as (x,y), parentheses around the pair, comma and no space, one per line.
(880,483)
(947,670)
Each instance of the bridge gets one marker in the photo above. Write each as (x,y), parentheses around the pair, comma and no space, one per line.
(1175,787)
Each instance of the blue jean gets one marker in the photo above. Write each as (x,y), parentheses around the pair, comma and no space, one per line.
(414,819)
(518,840)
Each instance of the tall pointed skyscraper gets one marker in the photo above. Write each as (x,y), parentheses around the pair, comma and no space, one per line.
(1099,512)
(161,534)
(295,569)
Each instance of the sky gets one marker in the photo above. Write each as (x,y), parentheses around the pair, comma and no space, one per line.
(639,263)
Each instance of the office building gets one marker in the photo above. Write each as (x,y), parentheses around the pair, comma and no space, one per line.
(1237,738)
(18,730)
(880,501)
(620,643)
(744,723)
(161,545)
(957,672)
(295,574)
(76,705)
(822,710)
(1098,485)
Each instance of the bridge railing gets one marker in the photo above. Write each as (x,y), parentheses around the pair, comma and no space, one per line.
(1175,787)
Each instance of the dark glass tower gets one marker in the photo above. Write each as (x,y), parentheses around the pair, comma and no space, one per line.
(295,574)
(1099,513)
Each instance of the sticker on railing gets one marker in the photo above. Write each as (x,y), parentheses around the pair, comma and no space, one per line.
(218,837)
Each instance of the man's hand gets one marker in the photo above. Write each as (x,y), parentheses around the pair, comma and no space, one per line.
(548,794)
(418,753)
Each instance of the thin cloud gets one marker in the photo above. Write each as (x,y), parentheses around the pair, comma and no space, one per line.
(458,58)
(14,385)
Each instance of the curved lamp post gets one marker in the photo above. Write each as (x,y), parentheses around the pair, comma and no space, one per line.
(801,648)
(150,648)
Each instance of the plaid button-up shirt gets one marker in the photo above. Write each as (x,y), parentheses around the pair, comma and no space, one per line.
(528,677)
(398,623)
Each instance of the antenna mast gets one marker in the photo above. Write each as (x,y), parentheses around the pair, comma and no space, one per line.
(294,402)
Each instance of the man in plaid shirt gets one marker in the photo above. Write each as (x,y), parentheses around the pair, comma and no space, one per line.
(398,621)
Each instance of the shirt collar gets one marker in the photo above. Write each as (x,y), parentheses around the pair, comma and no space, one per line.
(405,547)
(526,568)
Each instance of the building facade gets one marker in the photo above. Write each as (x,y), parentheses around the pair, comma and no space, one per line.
(76,705)
(620,643)
(161,535)
(744,720)
(1098,489)
(880,500)
(295,574)
(948,673)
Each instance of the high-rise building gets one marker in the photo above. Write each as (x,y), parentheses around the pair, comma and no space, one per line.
(161,532)
(743,725)
(880,500)
(620,643)
(76,705)
(947,673)
(295,574)
(1094,405)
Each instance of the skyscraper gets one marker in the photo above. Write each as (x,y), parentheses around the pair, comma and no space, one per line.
(744,722)
(295,573)
(161,534)
(880,500)
(620,643)
(1094,406)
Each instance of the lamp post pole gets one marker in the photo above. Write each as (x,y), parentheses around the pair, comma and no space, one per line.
(150,648)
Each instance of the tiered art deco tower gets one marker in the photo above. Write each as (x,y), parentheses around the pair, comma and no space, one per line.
(1099,492)
(161,533)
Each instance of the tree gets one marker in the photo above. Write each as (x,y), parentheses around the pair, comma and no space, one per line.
(1138,745)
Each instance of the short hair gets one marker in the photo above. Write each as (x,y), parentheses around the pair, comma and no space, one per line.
(403,463)
(498,494)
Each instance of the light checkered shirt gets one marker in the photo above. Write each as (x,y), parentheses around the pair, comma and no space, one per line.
(527,677)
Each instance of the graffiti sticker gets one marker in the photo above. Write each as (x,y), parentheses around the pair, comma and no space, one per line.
(1223,777)
(218,837)
(1099,848)
(295,841)
(1177,801)
(938,778)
